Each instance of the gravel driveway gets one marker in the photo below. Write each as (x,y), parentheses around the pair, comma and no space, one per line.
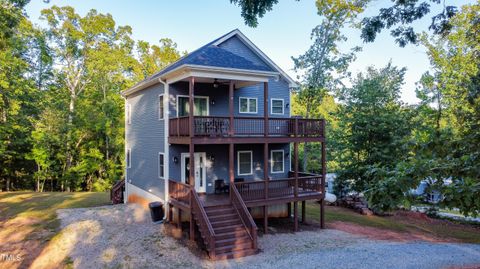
(122,236)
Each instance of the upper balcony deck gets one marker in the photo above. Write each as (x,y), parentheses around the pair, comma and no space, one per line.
(214,129)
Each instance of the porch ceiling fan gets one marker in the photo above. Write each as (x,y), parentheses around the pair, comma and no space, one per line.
(217,82)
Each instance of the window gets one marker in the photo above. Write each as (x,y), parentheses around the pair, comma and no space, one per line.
(200,106)
(161,106)
(245,163)
(277,106)
(248,105)
(276,161)
(128,158)
(128,113)
(161,165)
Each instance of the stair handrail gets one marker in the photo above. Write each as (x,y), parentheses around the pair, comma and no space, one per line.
(204,222)
(117,186)
(245,216)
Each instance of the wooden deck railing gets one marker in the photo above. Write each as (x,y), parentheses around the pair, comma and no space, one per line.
(179,191)
(279,188)
(204,224)
(245,216)
(210,126)
(116,192)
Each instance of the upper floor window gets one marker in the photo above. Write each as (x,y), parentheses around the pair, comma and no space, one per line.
(248,105)
(161,107)
(245,163)
(200,106)
(128,112)
(161,165)
(277,161)
(277,106)
(128,158)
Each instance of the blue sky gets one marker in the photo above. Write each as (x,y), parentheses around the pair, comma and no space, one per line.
(282,33)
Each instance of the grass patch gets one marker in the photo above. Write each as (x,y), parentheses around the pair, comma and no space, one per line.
(346,215)
(42,206)
(437,228)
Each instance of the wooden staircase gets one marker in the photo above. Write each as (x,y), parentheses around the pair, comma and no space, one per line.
(228,231)
(232,237)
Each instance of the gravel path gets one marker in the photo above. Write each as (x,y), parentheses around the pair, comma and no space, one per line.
(123,236)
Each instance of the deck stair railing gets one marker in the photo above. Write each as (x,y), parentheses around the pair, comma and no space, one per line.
(117,191)
(203,222)
(245,216)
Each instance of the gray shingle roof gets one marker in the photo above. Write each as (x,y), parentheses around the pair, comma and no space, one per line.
(211,55)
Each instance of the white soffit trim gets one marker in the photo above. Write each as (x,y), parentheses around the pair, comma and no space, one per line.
(259,53)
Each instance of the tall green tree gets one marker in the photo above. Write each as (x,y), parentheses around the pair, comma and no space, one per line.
(375,128)
(323,66)
(451,104)
(18,96)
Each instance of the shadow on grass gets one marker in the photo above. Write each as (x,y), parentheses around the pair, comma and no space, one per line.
(28,220)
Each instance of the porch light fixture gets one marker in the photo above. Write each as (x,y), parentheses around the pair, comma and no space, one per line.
(212,102)
(212,158)
(175,159)
(287,105)
(215,83)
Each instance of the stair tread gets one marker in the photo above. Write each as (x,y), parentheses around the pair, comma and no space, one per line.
(233,239)
(236,254)
(233,248)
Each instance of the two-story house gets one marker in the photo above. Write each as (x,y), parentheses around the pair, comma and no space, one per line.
(210,136)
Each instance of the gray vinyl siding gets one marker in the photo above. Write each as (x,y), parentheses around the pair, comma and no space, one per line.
(236,46)
(277,89)
(218,168)
(145,136)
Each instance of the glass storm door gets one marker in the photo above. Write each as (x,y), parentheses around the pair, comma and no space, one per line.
(200,171)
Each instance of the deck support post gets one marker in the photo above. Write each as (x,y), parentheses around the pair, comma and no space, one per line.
(265,108)
(265,176)
(324,173)
(230,108)
(304,220)
(289,209)
(295,216)
(179,218)
(231,173)
(191,174)
(265,219)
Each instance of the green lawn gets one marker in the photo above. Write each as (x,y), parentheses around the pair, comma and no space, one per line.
(42,206)
(431,228)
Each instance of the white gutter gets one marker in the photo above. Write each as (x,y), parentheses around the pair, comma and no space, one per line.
(166,149)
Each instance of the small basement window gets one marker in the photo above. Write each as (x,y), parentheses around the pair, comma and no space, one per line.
(248,105)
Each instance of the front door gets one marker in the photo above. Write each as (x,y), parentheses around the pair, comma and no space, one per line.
(200,171)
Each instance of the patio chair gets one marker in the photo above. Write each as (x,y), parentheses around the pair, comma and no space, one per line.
(220,186)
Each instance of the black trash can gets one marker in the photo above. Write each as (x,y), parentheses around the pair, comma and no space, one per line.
(156,211)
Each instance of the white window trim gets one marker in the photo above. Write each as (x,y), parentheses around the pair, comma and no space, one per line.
(158,163)
(195,96)
(162,115)
(248,105)
(271,161)
(238,162)
(128,157)
(271,106)
(129,113)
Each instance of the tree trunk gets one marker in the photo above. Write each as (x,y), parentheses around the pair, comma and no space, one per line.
(71,110)
(8,184)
